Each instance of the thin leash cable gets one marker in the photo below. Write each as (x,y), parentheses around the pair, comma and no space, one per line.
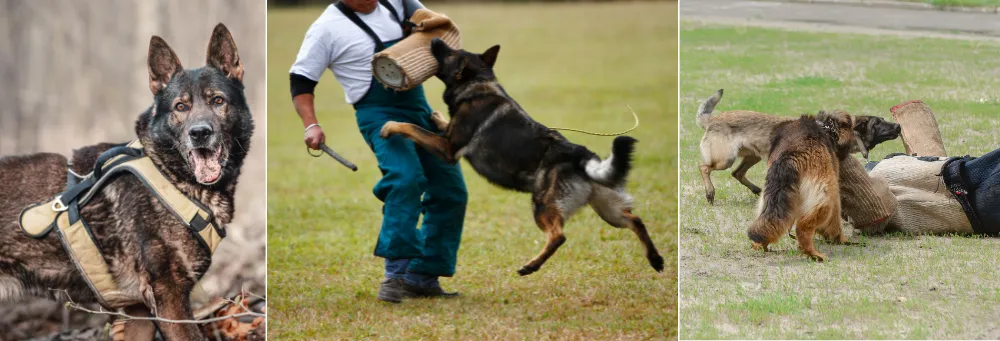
(634,115)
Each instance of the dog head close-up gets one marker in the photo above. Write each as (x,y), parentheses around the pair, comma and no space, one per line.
(459,66)
(199,126)
(840,126)
(874,130)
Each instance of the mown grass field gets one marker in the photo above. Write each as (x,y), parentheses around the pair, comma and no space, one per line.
(568,65)
(970,3)
(897,286)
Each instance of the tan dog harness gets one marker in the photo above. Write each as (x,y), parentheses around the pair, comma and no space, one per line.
(63,215)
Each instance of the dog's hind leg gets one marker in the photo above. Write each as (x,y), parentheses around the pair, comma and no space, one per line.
(639,228)
(740,173)
(550,220)
(434,143)
(806,227)
(558,193)
(833,229)
(706,177)
(616,209)
(714,157)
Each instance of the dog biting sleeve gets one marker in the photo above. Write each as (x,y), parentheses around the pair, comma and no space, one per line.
(408,63)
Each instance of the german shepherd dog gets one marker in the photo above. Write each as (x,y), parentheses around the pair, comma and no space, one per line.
(747,134)
(197,133)
(802,186)
(513,151)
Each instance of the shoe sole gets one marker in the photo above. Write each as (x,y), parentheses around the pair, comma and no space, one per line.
(390,300)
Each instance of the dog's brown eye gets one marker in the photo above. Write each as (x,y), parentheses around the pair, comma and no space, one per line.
(180,107)
(218,100)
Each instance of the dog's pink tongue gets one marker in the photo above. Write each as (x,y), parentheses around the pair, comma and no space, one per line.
(206,166)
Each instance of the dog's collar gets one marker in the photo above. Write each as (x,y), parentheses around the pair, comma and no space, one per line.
(63,215)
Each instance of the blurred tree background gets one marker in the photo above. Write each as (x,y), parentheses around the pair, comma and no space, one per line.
(73,73)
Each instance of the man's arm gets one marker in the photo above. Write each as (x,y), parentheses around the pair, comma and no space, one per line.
(314,57)
(411,6)
(303,99)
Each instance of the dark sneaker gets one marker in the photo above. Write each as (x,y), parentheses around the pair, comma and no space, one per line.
(426,292)
(391,290)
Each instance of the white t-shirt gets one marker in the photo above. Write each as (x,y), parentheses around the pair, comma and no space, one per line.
(334,42)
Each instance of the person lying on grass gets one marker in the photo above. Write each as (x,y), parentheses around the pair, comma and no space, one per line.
(923,191)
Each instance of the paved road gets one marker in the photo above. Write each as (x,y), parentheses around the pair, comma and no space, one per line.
(980,24)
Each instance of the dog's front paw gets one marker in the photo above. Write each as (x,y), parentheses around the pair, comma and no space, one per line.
(387,129)
(759,246)
(527,270)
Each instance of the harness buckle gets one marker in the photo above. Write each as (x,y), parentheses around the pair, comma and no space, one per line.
(58,205)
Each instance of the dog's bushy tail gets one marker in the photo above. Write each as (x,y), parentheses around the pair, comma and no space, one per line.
(612,171)
(706,108)
(777,205)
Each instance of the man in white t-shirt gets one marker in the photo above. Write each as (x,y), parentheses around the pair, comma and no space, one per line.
(344,39)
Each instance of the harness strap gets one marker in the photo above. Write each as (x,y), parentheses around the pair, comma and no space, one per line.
(63,215)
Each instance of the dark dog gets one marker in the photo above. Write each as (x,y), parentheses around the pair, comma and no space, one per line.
(197,133)
(747,134)
(802,185)
(513,151)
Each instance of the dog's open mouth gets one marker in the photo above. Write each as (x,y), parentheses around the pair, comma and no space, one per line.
(207,164)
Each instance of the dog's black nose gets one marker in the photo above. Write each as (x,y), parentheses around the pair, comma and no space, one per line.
(200,133)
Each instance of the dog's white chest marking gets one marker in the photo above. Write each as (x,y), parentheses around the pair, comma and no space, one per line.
(11,289)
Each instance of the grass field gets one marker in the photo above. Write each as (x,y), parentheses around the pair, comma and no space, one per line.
(566,69)
(896,286)
(971,3)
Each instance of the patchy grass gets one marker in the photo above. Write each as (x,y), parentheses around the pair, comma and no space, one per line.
(566,70)
(965,3)
(895,286)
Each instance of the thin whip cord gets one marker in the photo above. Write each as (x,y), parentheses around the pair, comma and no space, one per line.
(606,134)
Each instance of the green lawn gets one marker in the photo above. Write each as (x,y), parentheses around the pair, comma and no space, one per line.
(566,68)
(969,3)
(895,287)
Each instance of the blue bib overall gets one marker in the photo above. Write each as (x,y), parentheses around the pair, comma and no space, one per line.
(414,182)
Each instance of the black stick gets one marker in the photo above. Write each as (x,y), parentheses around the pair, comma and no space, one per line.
(337,157)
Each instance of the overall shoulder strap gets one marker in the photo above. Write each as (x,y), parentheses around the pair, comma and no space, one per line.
(395,15)
(349,13)
(404,23)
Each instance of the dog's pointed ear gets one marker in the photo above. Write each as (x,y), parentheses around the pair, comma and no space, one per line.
(490,56)
(223,55)
(440,49)
(163,64)
(457,75)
